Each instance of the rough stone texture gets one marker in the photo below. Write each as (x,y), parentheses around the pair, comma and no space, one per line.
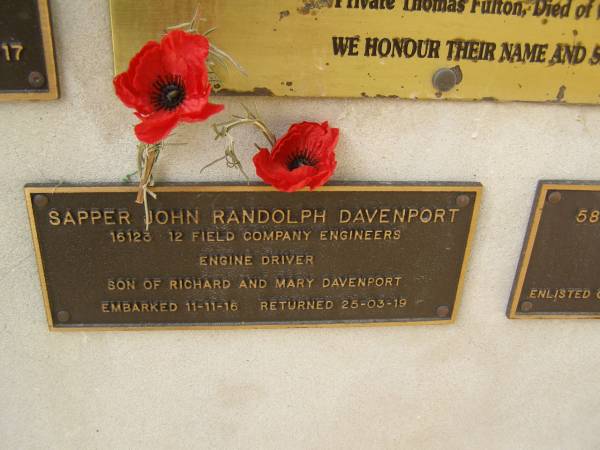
(485,382)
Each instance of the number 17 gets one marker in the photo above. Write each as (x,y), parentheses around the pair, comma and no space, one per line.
(17,49)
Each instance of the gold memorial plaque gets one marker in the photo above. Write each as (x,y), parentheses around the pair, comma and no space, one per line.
(559,271)
(538,50)
(27,68)
(249,256)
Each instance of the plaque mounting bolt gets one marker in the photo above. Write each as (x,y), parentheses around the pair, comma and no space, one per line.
(526,306)
(445,79)
(36,79)
(462,201)
(443,311)
(63,316)
(555,197)
(40,201)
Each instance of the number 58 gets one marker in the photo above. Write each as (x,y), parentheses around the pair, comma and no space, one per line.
(587,216)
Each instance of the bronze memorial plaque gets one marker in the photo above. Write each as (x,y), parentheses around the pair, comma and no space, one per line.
(27,68)
(231,256)
(559,271)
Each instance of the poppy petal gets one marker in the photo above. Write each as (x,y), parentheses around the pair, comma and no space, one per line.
(204,113)
(312,141)
(149,71)
(156,128)
(123,82)
(124,90)
(183,50)
(179,59)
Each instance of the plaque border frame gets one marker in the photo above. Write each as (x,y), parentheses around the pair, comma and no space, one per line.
(49,58)
(466,187)
(544,187)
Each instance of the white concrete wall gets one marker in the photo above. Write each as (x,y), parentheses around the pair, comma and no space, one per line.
(485,382)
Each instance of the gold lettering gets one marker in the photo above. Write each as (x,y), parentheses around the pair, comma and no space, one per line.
(560,294)
(233,218)
(296,305)
(82,216)
(293,283)
(109,217)
(68,219)
(250,283)
(392,216)
(361,282)
(345,216)
(89,217)
(54,217)
(453,211)
(139,307)
(426,215)
(218,217)
(320,216)
(175,217)
(95,215)
(198,283)
(262,216)
(192,217)
(226,260)
(121,284)
(299,260)
(440,214)
(124,217)
(412,214)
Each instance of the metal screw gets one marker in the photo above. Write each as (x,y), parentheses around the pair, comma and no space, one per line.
(63,316)
(445,79)
(40,201)
(36,79)
(463,201)
(443,311)
(555,197)
(526,306)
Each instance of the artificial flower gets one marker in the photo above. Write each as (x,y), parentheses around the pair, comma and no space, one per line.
(304,157)
(167,83)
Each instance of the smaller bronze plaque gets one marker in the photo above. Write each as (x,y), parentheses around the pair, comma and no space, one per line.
(239,256)
(559,270)
(27,67)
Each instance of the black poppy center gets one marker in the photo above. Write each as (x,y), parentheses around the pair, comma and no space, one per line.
(169,93)
(300,159)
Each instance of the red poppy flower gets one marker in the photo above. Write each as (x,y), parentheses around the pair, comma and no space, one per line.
(305,156)
(167,83)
